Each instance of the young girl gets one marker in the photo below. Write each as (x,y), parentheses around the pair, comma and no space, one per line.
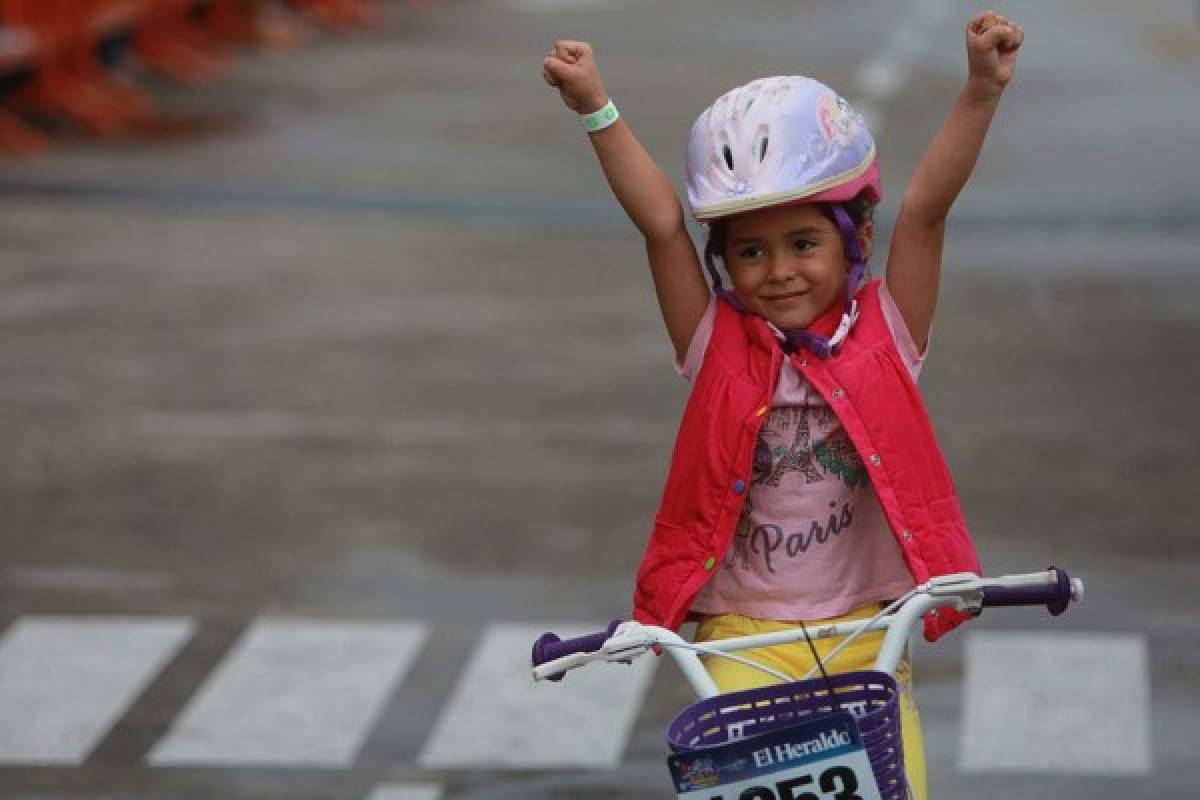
(805,484)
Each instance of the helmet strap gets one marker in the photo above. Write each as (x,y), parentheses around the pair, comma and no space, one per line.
(853,250)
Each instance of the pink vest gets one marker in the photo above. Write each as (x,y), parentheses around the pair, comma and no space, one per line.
(869,388)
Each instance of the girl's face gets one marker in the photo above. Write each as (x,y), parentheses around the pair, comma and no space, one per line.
(787,263)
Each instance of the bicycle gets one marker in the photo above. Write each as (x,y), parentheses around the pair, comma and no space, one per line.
(837,736)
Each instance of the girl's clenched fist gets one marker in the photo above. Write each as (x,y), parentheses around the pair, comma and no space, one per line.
(992,44)
(570,67)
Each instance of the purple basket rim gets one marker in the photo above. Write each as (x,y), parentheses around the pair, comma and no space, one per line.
(775,691)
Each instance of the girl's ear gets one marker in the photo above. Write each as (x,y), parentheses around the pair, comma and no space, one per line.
(866,235)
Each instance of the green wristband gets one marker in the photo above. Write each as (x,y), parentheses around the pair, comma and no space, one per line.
(599,120)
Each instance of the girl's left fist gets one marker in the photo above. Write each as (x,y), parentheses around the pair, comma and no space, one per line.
(992,44)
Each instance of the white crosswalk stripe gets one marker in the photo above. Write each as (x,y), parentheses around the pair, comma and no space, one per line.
(65,681)
(498,717)
(406,792)
(1074,703)
(293,693)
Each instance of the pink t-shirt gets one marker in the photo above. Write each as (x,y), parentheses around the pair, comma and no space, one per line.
(812,541)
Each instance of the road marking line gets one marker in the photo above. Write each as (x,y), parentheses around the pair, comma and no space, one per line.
(86,579)
(498,717)
(1038,702)
(293,693)
(421,791)
(65,682)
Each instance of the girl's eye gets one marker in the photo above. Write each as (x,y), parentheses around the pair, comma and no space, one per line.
(751,251)
(803,245)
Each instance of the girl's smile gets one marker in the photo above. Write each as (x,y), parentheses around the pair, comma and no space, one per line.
(783,298)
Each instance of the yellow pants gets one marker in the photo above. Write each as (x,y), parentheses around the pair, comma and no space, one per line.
(796,660)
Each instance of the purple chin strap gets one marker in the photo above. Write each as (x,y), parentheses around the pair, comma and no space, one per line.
(798,338)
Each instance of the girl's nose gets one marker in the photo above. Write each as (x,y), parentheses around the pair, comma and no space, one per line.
(783,268)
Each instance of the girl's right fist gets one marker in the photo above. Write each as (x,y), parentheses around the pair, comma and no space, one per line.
(571,68)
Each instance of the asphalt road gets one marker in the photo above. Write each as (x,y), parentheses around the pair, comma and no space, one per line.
(374,344)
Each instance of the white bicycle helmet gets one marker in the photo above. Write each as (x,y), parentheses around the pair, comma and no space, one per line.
(776,141)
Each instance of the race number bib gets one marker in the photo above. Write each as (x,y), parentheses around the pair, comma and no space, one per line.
(821,759)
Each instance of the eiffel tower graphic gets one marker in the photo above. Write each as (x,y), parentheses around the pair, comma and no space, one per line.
(798,458)
(837,455)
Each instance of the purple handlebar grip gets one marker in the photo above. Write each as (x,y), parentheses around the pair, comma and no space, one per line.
(549,647)
(1054,596)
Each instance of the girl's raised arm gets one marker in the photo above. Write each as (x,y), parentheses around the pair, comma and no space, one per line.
(915,261)
(642,190)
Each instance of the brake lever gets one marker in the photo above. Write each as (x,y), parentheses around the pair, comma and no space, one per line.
(628,641)
(966,588)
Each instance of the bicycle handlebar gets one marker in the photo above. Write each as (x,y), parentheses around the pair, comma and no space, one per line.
(549,647)
(966,592)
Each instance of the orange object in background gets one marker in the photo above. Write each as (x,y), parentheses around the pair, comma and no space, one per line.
(68,80)
(169,40)
(56,56)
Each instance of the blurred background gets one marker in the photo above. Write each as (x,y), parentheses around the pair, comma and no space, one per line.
(332,375)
